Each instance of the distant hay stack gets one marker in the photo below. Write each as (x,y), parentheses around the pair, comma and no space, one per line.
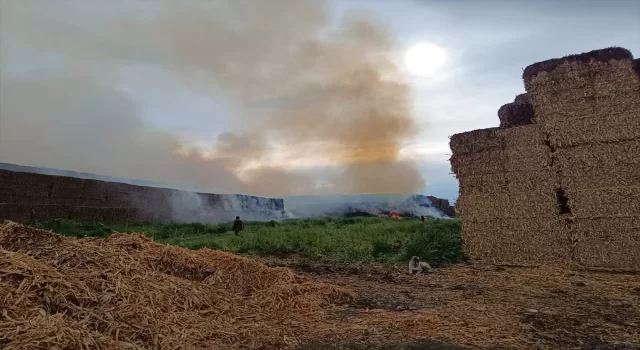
(560,180)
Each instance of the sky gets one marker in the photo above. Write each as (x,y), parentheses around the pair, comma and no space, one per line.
(238,98)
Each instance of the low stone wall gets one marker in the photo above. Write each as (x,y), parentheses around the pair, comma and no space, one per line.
(25,197)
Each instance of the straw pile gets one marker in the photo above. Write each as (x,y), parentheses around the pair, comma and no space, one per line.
(507,197)
(515,114)
(586,98)
(579,158)
(608,242)
(589,105)
(128,292)
(520,241)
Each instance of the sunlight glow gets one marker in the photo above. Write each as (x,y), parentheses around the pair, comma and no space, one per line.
(424,59)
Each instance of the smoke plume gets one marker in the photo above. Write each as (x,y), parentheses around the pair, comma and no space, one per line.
(300,85)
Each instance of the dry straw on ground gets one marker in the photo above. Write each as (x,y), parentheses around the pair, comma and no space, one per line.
(129,292)
(515,114)
(532,241)
(608,242)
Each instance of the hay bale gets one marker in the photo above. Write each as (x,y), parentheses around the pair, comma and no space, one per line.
(569,94)
(605,202)
(522,98)
(44,212)
(577,179)
(532,181)
(522,136)
(16,212)
(507,205)
(533,241)
(599,156)
(608,242)
(515,114)
(516,181)
(601,55)
(476,141)
(483,183)
(532,158)
(597,129)
(32,179)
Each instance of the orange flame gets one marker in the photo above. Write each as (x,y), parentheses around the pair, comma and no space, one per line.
(394,215)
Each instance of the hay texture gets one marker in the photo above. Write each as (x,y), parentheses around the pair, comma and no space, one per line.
(515,114)
(476,141)
(612,243)
(593,166)
(522,98)
(127,292)
(507,205)
(531,241)
(587,98)
(605,202)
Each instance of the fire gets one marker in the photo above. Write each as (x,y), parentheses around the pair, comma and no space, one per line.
(394,215)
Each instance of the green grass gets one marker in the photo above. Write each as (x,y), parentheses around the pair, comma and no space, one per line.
(334,240)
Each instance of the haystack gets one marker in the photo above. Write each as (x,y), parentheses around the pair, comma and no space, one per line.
(522,98)
(530,241)
(592,166)
(581,167)
(591,97)
(608,242)
(515,114)
(129,292)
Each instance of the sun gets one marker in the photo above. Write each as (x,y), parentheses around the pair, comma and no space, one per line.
(425,59)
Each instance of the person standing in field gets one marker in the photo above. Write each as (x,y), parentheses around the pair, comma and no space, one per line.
(238,225)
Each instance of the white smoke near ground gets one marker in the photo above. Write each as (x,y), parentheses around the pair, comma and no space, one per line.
(371,204)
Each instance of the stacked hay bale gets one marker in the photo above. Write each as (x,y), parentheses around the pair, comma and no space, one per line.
(508,193)
(588,106)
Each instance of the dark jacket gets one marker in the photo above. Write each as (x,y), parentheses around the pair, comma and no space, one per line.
(238,225)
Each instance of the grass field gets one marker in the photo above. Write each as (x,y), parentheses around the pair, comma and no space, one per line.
(333,240)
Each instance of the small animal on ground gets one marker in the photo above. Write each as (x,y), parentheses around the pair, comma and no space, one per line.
(417,267)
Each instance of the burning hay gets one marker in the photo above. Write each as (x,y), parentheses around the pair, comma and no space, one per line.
(129,292)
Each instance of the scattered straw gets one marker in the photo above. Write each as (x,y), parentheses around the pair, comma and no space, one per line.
(129,292)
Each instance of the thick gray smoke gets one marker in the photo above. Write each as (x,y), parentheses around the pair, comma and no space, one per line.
(293,76)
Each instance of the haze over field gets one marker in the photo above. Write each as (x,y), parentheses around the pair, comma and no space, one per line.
(274,97)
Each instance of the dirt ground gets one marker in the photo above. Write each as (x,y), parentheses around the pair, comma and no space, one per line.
(477,307)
